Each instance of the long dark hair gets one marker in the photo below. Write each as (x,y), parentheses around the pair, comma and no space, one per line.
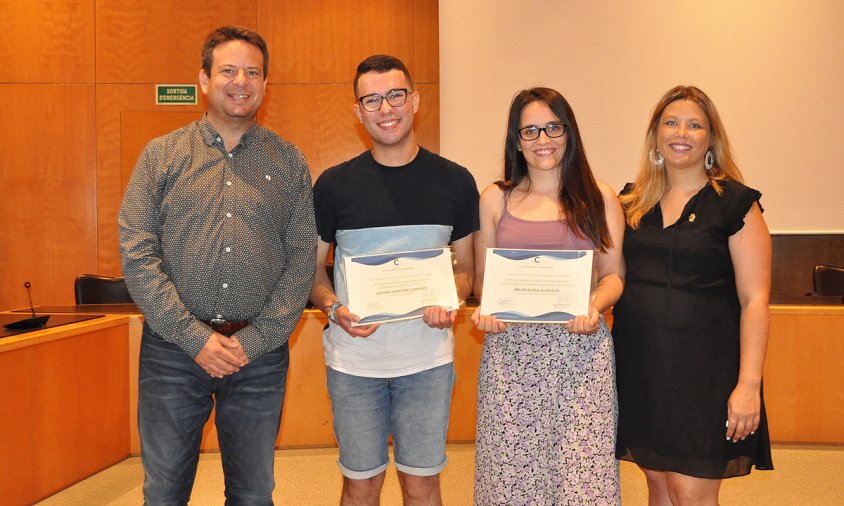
(580,198)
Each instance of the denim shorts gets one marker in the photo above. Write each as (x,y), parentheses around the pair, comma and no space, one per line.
(413,408)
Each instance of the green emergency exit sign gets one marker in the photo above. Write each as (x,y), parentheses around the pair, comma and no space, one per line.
(175,94)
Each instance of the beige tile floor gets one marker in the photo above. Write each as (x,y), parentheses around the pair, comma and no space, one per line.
(804,475)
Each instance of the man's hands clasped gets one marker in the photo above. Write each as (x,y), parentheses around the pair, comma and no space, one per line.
(221,356)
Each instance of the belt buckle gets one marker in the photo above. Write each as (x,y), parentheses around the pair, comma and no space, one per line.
(217,322)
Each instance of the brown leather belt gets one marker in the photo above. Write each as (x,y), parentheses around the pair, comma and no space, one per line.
(225,327)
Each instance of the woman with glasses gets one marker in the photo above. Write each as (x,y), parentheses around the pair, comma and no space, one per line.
(546,392)
(692,326)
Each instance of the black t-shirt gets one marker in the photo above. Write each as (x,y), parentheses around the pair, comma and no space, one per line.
(430,190)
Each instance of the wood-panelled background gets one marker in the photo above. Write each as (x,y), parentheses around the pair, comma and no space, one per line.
(795,257)
(79,105)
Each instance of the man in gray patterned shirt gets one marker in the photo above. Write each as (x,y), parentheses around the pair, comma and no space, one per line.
(218,245)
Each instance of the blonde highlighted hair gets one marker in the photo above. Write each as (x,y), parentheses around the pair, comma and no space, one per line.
(652,180)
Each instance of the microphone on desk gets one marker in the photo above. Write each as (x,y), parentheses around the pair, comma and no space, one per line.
(35,322)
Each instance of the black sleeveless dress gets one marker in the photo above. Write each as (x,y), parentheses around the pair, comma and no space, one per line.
(676,332)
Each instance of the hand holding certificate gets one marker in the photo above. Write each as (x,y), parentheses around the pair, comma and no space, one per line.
(537,286)
(389,287)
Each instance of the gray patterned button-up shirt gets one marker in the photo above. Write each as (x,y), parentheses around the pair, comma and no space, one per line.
(206,233)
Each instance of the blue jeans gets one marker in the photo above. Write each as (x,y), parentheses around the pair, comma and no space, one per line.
(175,398)
(413,408)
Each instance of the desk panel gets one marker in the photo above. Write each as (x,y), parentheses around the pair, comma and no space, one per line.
(306,420)
(16,432)
(68,395)
(803,377)
(804,387)
(81,407)
(63,406)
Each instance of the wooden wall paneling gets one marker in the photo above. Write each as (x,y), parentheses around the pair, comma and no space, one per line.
(49,227)
(126,110)
(17,468)
(318,119)
(323,41)
(804,385)
(307,45)
(160,42)
(48,42)
(427,122)
(426,43)
(69,377)
(795,256)
(137,128)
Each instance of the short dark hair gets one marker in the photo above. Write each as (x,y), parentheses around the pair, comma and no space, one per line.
(227,34)
(381,63)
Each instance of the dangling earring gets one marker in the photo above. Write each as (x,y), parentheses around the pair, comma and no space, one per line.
(708,160)
(656,157)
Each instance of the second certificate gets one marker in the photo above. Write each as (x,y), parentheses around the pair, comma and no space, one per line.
(398,286)
(537,286)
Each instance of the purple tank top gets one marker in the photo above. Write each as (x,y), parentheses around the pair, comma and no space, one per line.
(515,232)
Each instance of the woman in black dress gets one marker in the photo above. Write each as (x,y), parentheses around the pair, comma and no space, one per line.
(691,327)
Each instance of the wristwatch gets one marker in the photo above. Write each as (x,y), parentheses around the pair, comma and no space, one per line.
(330,310)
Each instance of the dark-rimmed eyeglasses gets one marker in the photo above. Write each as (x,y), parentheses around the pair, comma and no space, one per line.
(552,130)
(395,97)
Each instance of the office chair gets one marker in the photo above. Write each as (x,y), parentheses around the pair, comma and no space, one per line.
(94,289)
(828,280)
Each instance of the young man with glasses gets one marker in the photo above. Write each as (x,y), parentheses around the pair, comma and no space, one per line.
(396,378)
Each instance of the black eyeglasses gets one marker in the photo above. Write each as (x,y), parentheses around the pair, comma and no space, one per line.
(552,130)
(395,97)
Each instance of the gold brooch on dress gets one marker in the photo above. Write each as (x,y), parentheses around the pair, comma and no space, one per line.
(692,218)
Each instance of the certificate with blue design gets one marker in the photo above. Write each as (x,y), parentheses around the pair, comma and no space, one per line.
(390,287)
(537,286)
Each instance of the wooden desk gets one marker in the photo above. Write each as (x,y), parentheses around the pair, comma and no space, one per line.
(68,395)
(804,384)
(804,377)
(63,406)
(306,419)
(118,308)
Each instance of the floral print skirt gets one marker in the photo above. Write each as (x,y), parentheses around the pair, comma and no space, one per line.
(546,420)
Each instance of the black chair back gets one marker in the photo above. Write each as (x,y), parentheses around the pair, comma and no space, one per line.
(94,289)
(828,280)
